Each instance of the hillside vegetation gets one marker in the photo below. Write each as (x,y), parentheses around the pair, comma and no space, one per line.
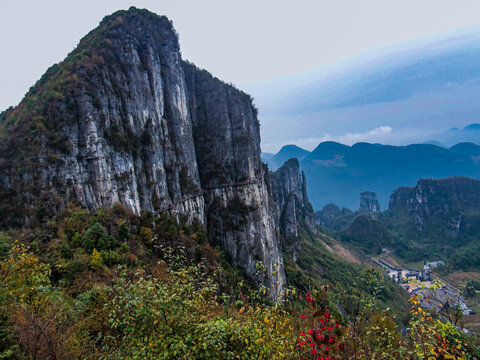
(113,285)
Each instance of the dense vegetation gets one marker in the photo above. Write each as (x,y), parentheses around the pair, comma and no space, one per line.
(442,225)
(112,285)
(397,233)
(315,267)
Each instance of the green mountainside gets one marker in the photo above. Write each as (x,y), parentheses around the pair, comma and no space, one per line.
(435,220)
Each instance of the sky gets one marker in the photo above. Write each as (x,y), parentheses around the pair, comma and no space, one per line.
(241,42)
(238,41)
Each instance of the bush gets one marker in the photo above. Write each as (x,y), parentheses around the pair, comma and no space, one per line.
(146,235)
(4,247)
(123,232)
(66,252)
(112,258)
(184,320)
(73,271)
(96,237)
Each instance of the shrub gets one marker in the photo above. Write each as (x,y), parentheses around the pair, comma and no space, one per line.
(123,232)
(146,235)
(96,259)
(184,319)
(66,252)
(112,258)
(96,237)
(4,247)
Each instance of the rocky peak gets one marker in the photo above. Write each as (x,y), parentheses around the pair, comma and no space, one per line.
(450,205)
(369,202)
(124,119)
(289,190)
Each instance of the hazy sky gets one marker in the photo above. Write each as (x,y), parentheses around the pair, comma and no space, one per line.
(238,41)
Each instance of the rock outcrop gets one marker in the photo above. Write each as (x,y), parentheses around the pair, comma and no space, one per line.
(449,205)
(124,119)
(289,190)
(369,202)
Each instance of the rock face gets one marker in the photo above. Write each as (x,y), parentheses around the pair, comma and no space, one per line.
(124,119)
(450,205)
(289,190)
(369,202)
(239,205)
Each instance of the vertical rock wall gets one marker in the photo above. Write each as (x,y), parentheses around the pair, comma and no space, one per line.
(289,190)
(240,213)
(142,127)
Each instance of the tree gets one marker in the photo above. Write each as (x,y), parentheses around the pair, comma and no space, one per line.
(96,237)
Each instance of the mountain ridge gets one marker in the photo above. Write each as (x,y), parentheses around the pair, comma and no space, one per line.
(286,153)
(338,173)
(436,219)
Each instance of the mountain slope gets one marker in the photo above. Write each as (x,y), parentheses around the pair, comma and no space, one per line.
(440,220)
(467,149)
(437,219)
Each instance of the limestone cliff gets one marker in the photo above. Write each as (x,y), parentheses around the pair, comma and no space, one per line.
(448,205)
(124,119)
(289,190)
(240,210)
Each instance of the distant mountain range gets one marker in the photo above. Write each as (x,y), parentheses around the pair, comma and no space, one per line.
(287,152)
(470,133)
(410,93)
(338,173)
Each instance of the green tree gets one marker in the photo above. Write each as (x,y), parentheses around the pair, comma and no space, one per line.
(96,237)
(123,232)
(66,252)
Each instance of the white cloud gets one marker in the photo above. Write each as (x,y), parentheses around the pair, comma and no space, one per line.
(376,135)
